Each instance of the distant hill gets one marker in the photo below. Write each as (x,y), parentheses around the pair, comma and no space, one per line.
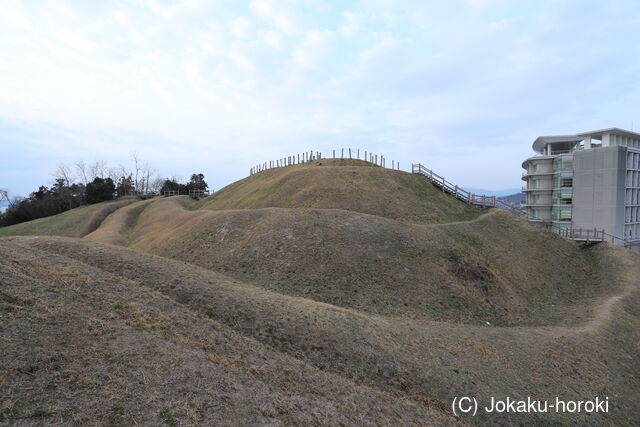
(516,198)
(498,193)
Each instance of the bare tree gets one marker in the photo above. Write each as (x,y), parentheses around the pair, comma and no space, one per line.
(5,196)
(137,171)
(156,185)
(97,169)
(147,172)
(65,173)
(82,171)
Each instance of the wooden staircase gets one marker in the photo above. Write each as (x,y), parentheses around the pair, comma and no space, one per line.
(479,201)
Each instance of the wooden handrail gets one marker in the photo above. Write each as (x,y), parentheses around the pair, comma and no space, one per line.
(453,189)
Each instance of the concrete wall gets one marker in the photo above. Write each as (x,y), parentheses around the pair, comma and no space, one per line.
(540,166)
(598,189)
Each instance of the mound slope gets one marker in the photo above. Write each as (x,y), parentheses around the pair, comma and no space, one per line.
(343,184)
(84,345)
(495,268)
(340,306)
(74,223)
(287,358)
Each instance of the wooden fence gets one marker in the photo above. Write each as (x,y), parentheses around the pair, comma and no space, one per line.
(309,156)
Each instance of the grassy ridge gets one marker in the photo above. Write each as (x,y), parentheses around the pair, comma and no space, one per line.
(73,223)
(343,184)
(168,313)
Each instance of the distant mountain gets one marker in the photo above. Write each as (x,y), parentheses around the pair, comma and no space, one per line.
(499,193)
(514,198)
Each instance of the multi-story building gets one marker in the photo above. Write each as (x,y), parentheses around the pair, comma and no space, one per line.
(587,181)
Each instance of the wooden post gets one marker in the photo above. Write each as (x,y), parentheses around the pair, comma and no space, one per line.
(376,162)
(398,165)
(443,184)
(358,154)
(334,153)
(342,154)
(365,156)
(393,164)
(349,153)
(311,154)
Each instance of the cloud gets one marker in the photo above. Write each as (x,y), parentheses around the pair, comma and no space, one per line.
(351,24)
(436,81)
(271,38)
(274,12)
(312,48)
(240,27)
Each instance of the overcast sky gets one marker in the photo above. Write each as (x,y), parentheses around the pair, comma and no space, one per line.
(217,86)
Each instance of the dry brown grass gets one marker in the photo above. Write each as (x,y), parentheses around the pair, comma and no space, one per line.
(343,184)
(337,304)
(496,268)
(419,364)
(83,345)
(74,223)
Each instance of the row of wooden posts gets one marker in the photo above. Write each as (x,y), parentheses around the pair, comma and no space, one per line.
(310,156)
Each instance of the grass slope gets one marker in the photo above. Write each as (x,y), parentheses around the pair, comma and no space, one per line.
(83,344)
(73,223)
(343,184)
(343,294)
(496,268)
(196,340)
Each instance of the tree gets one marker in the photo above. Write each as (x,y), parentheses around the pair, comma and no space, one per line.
(197,182)
(155,187)
(4,195)
(173,185)
(99,190)
(82,171)
(64,173)
(44,202)
(126,186)
(98,169)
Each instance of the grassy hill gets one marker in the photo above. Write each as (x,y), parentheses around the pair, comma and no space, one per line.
(340,303)
(352,185)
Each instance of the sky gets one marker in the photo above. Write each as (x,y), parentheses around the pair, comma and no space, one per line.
(461,86)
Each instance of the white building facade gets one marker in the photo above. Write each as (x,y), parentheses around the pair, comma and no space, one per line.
(587,181)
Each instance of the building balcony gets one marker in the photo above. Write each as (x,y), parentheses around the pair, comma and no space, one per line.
(527,173)
(526,189)
(539,220)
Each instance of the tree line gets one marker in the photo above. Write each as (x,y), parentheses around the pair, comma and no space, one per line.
(83,183)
